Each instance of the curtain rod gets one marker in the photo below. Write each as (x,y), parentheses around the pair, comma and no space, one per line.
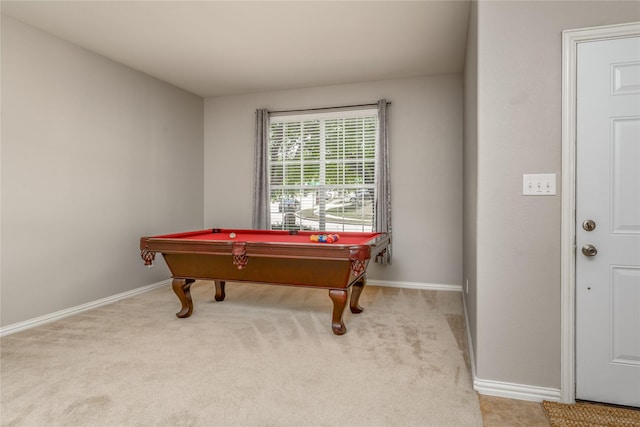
(327,108)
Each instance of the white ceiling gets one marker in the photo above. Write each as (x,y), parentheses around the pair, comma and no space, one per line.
(214,48)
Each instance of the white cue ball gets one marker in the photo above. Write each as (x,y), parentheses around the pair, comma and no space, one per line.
(232,235)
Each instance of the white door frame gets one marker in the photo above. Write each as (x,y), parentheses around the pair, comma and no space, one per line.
(570,41)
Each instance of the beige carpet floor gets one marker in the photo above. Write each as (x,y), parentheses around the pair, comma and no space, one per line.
(265,356)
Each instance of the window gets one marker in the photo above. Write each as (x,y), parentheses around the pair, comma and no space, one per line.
(322,170)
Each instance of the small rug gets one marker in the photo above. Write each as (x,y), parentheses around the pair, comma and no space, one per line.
(590,415)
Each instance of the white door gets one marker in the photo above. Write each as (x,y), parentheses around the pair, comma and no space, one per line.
(608,193)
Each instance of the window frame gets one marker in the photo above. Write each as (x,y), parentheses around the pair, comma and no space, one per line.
(347,224)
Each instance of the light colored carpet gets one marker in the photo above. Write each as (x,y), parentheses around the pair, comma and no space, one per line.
(265,356)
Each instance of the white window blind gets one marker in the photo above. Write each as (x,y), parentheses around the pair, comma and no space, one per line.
(322,170)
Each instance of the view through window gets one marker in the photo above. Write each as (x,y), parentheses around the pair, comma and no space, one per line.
(322,170)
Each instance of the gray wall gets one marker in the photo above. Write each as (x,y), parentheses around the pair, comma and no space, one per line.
(94,155)
(516,284)
(470,172)
(426,166)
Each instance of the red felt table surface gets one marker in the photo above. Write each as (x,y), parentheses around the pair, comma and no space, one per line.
(269,236)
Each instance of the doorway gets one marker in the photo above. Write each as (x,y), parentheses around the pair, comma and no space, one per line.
(572,234)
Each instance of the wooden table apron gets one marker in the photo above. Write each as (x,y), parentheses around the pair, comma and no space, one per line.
(331,266)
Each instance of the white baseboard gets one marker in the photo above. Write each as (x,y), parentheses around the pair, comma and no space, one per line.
(416,285)
(502,389)
(32,323)
(472,356)
(485,387)
(516,391)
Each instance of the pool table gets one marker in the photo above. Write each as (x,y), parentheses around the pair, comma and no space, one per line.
(271,257)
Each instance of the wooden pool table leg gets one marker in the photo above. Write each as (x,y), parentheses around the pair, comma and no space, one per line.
(356,290)
(220,290)
(339,298)
(182,288)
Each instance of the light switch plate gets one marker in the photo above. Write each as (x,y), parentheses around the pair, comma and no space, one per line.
(541,184)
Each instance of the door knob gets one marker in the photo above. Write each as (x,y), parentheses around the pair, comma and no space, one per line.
(589,225)
(589,250)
